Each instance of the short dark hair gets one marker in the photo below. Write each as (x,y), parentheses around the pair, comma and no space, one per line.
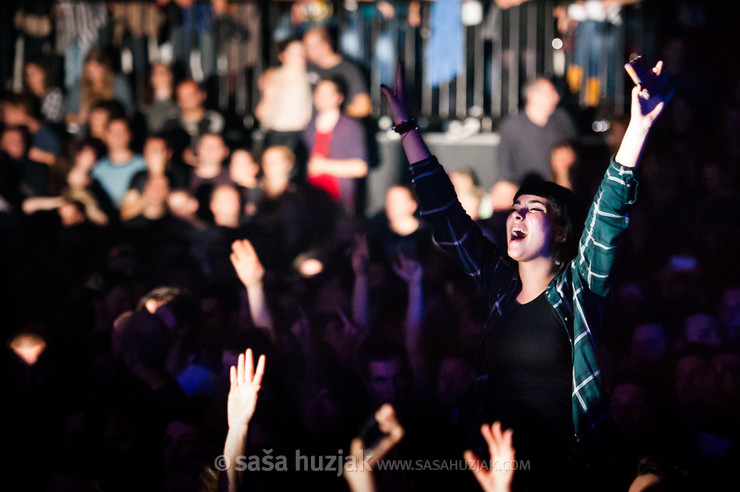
(565,211)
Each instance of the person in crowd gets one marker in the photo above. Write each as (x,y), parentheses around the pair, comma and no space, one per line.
(80,188)
(285,105)
(244,172)
(13,148)
(98,82)
(545,265)
(43,146)
(160,105)
(326,63)
(101,113)
(193,121)
(115,171)
(399,231)
(157,158)
(39,81)
(209,170)
(542,122)
(337,151)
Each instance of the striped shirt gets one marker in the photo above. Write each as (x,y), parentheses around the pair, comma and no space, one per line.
(577,294)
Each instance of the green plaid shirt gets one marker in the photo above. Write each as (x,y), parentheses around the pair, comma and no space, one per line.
(577,294)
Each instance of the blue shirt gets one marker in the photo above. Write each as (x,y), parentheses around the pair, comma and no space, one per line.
(116,178)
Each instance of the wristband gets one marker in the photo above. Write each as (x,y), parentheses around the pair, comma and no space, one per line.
(406,126)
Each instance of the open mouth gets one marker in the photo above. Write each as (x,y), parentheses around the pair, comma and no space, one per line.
(518,233)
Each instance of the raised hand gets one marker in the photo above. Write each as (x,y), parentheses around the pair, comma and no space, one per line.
(358,471)
(245,384)
(246,263)
(408,269)
(395,97)
(643,114)
(413,144)
(497,477)
(644,108)
(389,424)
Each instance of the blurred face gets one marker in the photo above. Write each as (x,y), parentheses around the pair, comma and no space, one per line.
(453,381)
(211,149)
(543,96)
(275,165)
(470,202)
(181,204)
(703,328)
(528,229)
(690,380)
(242,167)
(12,143)
(161,77)
(502,195)
(189,96)
(326,96)
(225,205)
(294,55)
(95,72)
(71,215)
(157,189)
(14,115)
(35,78)
(85,158)
(462,182)
(386,381)
(315,46)
(399,204)
(155,155)
(181,445)
(563,159)
(98,123)
(649,342)
(726,380)
(117,136)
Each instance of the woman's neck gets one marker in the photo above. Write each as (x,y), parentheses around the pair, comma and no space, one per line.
(535,275)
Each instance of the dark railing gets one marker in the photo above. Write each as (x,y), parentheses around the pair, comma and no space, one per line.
(501,50)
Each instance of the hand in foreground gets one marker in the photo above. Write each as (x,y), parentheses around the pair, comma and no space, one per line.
(246,263)
(358,470)
(245,384)
(500,472)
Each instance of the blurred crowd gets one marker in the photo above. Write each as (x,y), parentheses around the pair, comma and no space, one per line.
(146,240)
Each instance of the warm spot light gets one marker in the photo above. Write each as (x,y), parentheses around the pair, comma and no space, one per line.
(310,267)
(28,347)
